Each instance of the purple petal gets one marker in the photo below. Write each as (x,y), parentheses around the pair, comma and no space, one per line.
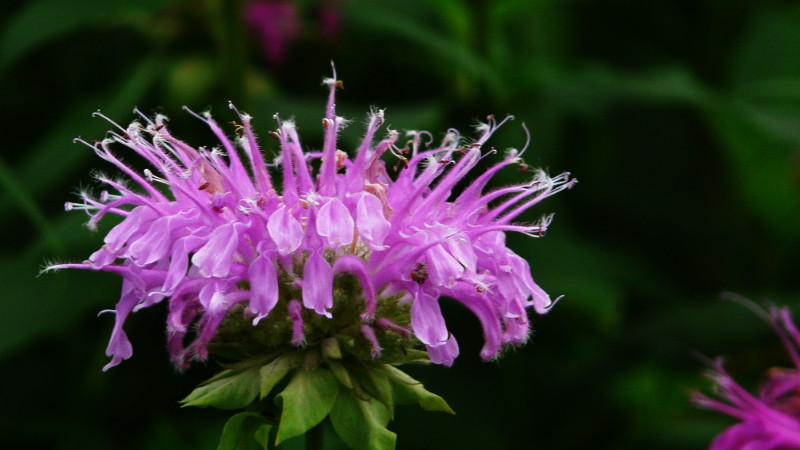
(102,257)
(285,231)
(444,353)
(369,334)
(427,320)
(516,323)
(481,306)
(263,287)
(154,244)
(119,347)
(443,269)
(137,221)
(335,223)
(745,435)
(215,258)
(179,262)
(370,221)
(318,284)
(296,314)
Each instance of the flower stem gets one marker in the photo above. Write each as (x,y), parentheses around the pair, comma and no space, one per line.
(315,437)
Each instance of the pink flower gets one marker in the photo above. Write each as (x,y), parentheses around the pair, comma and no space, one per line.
(276,23)
(210,231)
(770,420)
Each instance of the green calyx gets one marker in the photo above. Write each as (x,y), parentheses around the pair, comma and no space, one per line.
(290,394)
(287,391)
(238,339)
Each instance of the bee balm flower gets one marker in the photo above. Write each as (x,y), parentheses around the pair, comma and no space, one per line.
(348,250)
(770,420)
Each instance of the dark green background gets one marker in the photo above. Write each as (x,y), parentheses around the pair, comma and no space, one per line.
(681,119)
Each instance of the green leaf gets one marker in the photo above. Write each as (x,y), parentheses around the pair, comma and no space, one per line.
(413,356)
(57,144)
(362,423)
(42,21)
(762,161)
(594,87)
(262,435)
(341,373)
(379,19)
(241,429)
(231,389)
(770,48)
(272,373)
(16,191)
(306,401)
(408,391)
(376,383)
(36,307)
(331,349)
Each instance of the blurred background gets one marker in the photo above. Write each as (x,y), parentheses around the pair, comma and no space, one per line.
(681,119)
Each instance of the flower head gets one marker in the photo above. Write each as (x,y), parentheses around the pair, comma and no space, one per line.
(345,248)
(770,420)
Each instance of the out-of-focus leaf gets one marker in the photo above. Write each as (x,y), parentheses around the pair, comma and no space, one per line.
(781,89)
(379,18)
(44,20)
(764,162)
(189,79)
(658,395)
(57,145)
(592,278)
(34,306)
(771,48)
(760,126)
(546,35)
(19,195)
(594,86)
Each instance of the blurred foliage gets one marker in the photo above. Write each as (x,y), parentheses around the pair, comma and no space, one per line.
(680,118)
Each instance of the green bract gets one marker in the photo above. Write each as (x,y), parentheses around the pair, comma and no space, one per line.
(289,394)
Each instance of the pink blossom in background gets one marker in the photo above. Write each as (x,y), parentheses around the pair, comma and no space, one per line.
(330,19)
(275,23)
(278,23)
(770,420)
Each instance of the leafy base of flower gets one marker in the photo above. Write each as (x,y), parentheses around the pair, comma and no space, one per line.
(285,395)
(383,337)
(295,368)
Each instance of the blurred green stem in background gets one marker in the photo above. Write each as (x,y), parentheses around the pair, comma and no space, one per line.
(225,20)
(28,206)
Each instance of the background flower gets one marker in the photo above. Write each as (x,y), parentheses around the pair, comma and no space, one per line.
(771,419)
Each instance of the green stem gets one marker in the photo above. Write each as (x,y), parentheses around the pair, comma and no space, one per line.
(225,18)
(315,437)
(28,206)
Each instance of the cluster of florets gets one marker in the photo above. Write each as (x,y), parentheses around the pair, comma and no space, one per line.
(771,420)
(213,234)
